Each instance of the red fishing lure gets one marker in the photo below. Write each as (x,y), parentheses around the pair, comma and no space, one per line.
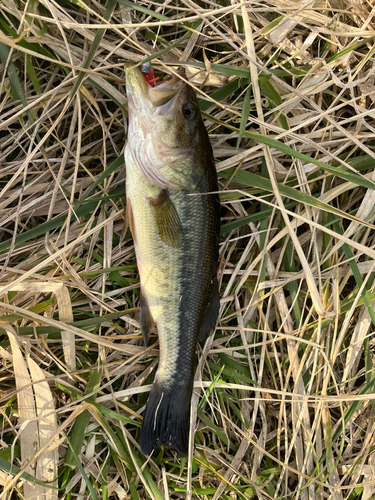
(150,78)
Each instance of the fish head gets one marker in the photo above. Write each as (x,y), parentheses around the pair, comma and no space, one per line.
(165,128)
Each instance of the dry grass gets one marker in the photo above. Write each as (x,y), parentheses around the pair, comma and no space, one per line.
(287,89)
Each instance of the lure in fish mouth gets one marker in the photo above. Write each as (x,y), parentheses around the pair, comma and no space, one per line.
(176,235)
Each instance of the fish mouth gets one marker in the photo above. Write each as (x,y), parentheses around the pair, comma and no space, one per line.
(140,92)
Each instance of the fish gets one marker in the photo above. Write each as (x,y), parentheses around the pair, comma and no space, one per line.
(173,211)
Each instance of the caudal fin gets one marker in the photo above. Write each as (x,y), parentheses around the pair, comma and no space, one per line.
(167,419)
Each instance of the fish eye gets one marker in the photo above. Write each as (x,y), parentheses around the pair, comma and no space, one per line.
(189,111)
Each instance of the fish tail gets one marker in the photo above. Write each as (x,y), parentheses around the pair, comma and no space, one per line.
(167,418)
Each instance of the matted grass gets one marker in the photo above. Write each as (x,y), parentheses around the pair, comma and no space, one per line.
(284,392)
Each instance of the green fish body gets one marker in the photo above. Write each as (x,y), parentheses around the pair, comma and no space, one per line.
(175,225)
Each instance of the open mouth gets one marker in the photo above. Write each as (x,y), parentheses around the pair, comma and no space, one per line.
(163,91)
(144,86)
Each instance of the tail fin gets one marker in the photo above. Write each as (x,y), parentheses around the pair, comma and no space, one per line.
(167,419)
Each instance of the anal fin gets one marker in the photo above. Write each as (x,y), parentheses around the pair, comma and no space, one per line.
(145,319)
(211,313)
(130,217)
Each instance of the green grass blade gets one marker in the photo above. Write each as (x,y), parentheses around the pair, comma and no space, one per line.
(269,91)
(351,48)
(221,94)
(251,180)
(106,173)
(257,217)
(207,393)
(13,77)
(14,470)
(341,172)
(55,223)
(32,74)
(81,469)
(94,47)
(244,115)
(78,432)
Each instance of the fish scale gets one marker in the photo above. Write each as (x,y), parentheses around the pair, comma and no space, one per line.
(174,219)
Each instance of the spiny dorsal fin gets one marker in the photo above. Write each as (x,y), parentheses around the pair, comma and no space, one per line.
(167,220)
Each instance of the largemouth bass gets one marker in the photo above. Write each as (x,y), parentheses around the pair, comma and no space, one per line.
(170,172)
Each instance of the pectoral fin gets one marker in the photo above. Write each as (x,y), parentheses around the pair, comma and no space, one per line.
(167,220)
